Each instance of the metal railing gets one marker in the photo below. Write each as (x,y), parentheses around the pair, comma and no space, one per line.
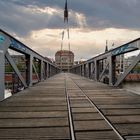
(109,66)
(43,70)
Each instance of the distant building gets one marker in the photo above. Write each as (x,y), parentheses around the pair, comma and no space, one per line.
(120,64)
(11,79)
(64,59)
(79,62)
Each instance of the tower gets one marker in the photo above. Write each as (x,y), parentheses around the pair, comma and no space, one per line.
(106,48)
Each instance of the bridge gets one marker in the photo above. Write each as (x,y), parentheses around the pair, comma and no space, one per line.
(87,103)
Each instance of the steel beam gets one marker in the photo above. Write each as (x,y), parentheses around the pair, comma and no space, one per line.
(7,41)
(96,62)
(2,75)
(101,75)
(128,70)
(41,70)
(36,72)
(22,48)
(12,63)
(47,70)
(29,71)
(112,65)
(4,45)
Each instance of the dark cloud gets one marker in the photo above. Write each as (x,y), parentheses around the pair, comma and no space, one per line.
(99,14)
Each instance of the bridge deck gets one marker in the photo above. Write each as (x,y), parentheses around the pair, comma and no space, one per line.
(68,106)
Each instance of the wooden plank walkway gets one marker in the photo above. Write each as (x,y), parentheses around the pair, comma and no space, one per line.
(68,106)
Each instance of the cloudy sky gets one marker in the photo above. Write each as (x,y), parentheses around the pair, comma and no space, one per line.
(39,24)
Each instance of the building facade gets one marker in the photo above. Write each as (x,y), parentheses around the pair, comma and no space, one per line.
(64,59)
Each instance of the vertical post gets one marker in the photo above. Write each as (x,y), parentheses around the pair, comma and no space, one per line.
(29,71)
(2,74)
(112,64)
(84,70)
(41,70)
(89,70)
(45,70)
(96,69)
(52,70)
(4,44)
(92,75)
(48,70)
(81,70)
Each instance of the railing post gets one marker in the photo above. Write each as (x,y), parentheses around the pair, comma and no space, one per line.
(45,70)
(2,74)
(41,70)
(48,70)
(96,70)
(29,71)
(93,70)
(112,65)
(4,45)
(89,70)
(82,69)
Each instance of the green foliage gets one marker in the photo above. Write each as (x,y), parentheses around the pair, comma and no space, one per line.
(8,68)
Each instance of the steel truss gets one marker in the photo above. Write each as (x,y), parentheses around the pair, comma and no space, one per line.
(46,68)
(102,68)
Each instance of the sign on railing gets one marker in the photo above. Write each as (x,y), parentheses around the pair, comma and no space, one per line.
(16,45)
(2,38)
(126,48)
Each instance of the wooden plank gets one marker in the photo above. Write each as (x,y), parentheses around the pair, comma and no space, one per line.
(83,110)
(83,105)
(128,129)
(120,106)
(96,135)
(37,122)
(25,115)
(127,119)
(39,112)
(33,103)
(33,109)
(132,137)
(86,116)
(61,133)
(96,125)
(121,112)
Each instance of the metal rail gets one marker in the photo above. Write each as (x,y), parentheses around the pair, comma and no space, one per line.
(69,112)
(100,112)
(113,58)
(44,70)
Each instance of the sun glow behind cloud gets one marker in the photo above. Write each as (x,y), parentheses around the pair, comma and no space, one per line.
(39,24)
(47,10)
(84,44)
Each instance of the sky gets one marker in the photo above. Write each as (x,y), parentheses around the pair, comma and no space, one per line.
(39,24)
